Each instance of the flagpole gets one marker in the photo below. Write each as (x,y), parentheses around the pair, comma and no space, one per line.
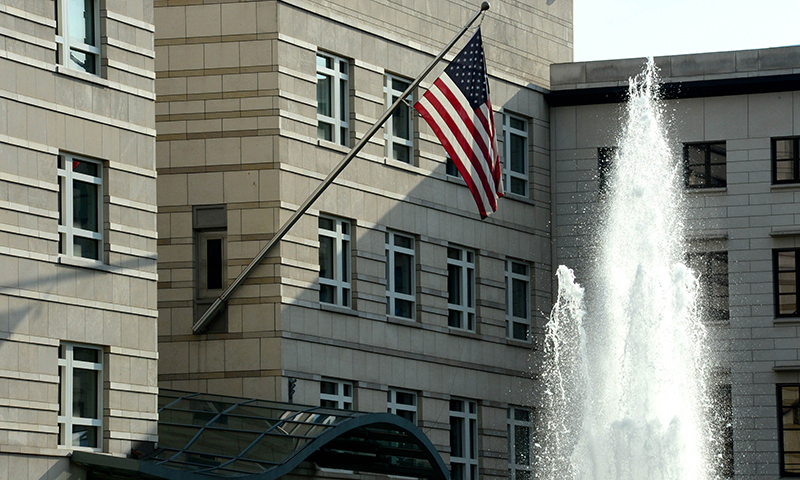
(220,301)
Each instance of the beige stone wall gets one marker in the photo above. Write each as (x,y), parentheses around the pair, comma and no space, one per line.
(47,298)
(237,125)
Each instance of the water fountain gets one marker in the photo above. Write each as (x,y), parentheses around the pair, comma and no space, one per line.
(625,363)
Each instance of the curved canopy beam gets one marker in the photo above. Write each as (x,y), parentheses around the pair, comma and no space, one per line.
(234,442)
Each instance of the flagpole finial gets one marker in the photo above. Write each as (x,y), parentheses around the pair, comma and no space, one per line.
(485,6)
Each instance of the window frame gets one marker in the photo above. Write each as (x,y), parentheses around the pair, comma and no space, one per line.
(776,281)
(66,418)
(468,416)
(66,186)
(605,163)
(341,282)
(781,428)
(508,173)
(66,44)
(390,95)
(708,279)
(511,319)
(340,399)
(513,422)
(795,160)
(707,165)
(393,406)
(339,122)
(465,308)
(392,295)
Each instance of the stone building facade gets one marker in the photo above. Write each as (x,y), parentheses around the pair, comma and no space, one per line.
(391,293)
(77,233)
(735,119)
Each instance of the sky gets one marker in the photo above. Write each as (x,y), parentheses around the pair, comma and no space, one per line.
(611,29)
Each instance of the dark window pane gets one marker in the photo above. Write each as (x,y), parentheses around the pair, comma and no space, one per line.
(517,160)
(405,242)
(522,445)
(86,168)
(85,355)
(517,186)
(401,153)
(454,318)
(328,388)
(403,268)
(84,393)
(403,308)
(521,331)
(84,436)
(457,437)
(326,224)
(519,298)
(84,206)
(85,248)
(214,270)
(327,294)
(82,61)
(454,284)
(324,94)
(326,268)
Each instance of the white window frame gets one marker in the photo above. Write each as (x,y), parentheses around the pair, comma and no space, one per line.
(393,406)
(66,43)
(342,272)
(511,319)
(508,173)
(341,398)
(391,95)
(339,121)
(513,466)
(465,266)
(66,229)
(392,295)
(66,366)
(468,413)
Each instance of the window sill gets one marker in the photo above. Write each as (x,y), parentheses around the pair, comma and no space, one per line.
(786,320)
(699,190)
(332,146)
(391,162)
(784,186)
(331,307)
(515,342)
(462,332)
(87,77)
(84,263)
(408,322)
(518,198)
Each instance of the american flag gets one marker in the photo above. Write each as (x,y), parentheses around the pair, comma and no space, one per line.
(458,109)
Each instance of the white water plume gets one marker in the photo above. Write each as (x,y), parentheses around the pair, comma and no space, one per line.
(624,370)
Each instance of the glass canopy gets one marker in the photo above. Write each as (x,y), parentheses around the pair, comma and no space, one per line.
(213,436)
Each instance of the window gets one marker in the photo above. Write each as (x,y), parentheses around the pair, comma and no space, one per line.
(334,261)
(786,160)
(450,168)
(520,442)
(461,289)
(518,321)
(399,128)
(78,35)
(335,394)
(721,423)
(400,272)
(789,429)
(80,207)
(403,404)
(210,223)
(705,165)
(712,269)
(463,440)
(333,97)
(515,154)
(605,160)
(80,419)
(785,281)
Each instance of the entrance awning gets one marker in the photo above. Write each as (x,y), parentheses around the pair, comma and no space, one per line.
(205,436)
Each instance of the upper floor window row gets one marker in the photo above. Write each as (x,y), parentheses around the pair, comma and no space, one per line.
(78,35)
(401,263)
